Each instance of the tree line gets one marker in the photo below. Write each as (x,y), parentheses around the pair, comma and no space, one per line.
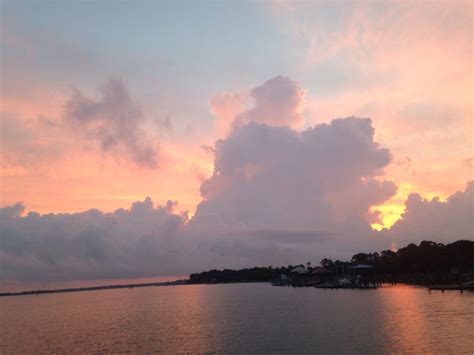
(427,258)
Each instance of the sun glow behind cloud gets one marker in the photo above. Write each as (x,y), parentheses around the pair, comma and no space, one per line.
(389,214)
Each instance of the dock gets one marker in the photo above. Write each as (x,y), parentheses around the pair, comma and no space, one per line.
(443,288)
(348,287)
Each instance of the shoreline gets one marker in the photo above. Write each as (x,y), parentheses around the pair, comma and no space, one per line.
(93,288)
(447,287)
(118,286)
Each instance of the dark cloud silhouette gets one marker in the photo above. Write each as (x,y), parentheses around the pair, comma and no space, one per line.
(12,211)
(114,120)
(140,241)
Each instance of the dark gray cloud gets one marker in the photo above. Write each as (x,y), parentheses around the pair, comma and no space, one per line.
(290,236)
(114,120)
(12,211)
(140,241)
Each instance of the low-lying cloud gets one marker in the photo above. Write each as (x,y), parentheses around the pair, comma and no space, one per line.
(140,241)
(147,241)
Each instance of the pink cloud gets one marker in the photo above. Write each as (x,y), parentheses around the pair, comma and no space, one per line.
(270,177)
(277,102)
(225,106)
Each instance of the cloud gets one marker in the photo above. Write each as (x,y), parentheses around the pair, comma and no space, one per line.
(140,241)
(12,211)
(436,220)
(115,121)
(277,102)
(225,106)
(265,174)
(319,182)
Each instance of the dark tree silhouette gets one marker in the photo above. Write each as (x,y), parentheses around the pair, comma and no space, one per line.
(411,263)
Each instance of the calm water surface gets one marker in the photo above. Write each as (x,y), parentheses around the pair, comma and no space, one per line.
(239,318)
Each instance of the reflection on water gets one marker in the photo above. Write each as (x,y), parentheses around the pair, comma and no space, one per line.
(407,331)
(239,318)
(428,322)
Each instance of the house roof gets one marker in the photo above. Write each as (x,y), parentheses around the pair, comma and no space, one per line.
(300,269)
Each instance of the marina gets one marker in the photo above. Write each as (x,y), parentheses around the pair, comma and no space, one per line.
(360,276)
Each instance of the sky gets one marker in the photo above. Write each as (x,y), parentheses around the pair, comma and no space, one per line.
(143,138)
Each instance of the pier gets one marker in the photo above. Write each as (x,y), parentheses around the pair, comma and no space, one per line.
(461,288)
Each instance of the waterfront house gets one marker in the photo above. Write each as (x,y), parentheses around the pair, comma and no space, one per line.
(322,275)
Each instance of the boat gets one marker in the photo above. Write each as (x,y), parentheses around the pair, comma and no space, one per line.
(280,281)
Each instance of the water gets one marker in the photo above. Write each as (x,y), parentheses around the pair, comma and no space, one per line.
(239,318)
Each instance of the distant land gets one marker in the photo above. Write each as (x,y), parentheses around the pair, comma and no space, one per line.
(426,264)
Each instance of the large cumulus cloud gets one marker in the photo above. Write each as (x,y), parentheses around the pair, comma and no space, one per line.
(318,183)
(266,175)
